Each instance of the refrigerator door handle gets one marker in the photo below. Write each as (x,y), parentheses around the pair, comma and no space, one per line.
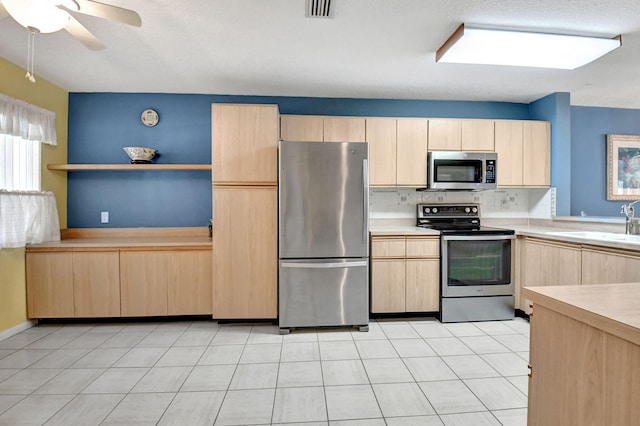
(365,198)
(324,265)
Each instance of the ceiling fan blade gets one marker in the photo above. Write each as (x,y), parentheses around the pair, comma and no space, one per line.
(3,11)
(112,13)
(77,30)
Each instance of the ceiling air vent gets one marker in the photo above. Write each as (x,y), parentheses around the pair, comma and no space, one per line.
(319,9)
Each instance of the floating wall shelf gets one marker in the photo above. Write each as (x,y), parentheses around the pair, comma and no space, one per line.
(87,167)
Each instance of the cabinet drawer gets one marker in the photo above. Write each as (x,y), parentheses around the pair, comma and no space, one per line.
(388,247)
(423,247)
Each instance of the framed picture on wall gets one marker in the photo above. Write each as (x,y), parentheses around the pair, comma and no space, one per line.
(623,167)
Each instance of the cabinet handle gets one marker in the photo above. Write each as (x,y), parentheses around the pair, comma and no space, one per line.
(531,307)
(530,370)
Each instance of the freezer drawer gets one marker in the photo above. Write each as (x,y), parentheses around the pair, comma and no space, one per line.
(323,292)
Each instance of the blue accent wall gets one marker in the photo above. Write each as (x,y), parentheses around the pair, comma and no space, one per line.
(556,108)
(589,129)
(100,124)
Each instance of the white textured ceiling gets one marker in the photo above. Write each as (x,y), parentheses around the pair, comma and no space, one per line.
(369,49)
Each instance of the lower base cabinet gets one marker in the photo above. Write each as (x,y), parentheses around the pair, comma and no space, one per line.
(118,282)
(580,375)
(158,283)
(405,274)
(73,284)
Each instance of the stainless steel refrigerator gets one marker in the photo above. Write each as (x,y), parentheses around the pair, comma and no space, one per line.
(323,192)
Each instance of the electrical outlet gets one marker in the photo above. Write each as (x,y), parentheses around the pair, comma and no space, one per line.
(104,217)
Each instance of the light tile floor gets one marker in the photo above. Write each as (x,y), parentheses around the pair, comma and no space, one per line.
(417,372)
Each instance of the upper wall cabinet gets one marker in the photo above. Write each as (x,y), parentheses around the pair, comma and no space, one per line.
(524,152)
(381,136)
(245,143)
(318,128)
(303,128)
(411,157)
(344,129)
(452,134)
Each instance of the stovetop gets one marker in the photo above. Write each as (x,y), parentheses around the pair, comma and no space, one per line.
(454,219)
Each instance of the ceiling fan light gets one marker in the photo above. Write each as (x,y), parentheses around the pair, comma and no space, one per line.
(470,45)
(40,15)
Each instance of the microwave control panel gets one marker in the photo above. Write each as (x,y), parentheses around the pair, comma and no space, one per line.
(490,173)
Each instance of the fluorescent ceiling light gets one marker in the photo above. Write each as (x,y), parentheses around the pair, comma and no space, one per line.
(469,45)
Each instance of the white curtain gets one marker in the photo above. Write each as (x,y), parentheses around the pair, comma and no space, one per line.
(28,217)
(18,118)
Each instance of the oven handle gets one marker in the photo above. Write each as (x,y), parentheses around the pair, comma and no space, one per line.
(477,237)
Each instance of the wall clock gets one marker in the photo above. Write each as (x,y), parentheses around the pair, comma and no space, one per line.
(149,117)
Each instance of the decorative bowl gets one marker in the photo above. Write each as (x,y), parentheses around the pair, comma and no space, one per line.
(140,154)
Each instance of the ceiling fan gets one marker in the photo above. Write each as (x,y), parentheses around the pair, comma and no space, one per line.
(48,16)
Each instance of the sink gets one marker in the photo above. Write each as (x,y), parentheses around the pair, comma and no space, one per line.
(601,236)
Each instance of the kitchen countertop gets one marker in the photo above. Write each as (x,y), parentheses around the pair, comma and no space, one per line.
(560,230)
(612,308)
(125,238)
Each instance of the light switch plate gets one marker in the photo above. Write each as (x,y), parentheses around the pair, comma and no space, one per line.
(104,217)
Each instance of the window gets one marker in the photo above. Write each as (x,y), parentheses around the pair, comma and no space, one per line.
(26,214)
(19,164)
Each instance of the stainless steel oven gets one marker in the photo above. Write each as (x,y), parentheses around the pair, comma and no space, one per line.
(476,264)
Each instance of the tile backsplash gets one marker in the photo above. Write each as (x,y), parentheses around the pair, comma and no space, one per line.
(538,203)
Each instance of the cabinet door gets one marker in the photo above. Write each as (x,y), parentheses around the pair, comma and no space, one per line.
(96,284)
(387,247)
(143,282)
(445,134)
(608,267)
(304,128)
(245,252)
(422,290)
(423,247)
(344,129)
(189,286)
(549,262)
(478,135)
(536,153)
(49,285)
(381,136)
(245,143)
(411,156)
(508,145)
(387,285)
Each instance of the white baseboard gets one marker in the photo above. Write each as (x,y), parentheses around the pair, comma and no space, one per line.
(17,329)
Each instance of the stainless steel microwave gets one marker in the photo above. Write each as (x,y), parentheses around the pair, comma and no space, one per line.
(471,171)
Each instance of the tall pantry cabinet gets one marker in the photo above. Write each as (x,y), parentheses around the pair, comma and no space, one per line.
(245,210)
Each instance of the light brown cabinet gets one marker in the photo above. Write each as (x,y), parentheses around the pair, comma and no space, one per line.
(165,282)
(302,128)
(319,128)
(411,155)
(602,265)
(245,253)
(118,282)
(453,134)
(404,274)
(344,129)
(245,143)
(65,284)
(49,285)
(381,136)
(245,209)
(548,262)
(585,357)
(524,152)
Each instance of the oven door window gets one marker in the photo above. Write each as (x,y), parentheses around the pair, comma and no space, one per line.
(467,171)
(478,262)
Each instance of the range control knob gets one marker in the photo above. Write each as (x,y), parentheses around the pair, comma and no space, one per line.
(427,210)
(434,210)
(474,209)
(467,209)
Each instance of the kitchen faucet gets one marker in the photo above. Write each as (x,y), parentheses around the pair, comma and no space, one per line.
(627,210)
